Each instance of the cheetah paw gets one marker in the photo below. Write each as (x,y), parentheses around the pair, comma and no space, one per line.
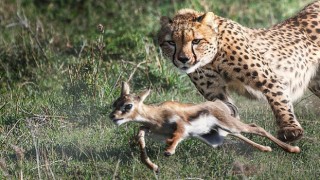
(290,134)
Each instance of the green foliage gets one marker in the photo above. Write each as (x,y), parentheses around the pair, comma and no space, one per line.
(59,74)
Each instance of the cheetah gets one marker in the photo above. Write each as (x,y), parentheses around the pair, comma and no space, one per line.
(276,64)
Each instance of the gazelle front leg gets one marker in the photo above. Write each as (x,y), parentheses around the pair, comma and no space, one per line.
(143,152)
(174,141)
(172,145)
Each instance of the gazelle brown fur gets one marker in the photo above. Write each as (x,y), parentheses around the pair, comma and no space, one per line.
(208,121)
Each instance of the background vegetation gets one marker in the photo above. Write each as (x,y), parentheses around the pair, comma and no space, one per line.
(59,74)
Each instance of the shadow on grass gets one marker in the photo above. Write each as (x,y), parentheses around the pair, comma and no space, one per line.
(126,153)
(87,154)
(71,158)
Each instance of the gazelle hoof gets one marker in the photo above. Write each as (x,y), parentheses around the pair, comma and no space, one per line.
(295,149)
(267,149)
(157,170)
(167,153)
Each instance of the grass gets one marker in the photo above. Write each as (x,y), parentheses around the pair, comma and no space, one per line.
(59,74)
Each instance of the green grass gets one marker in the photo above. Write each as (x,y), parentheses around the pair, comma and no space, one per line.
(59,75)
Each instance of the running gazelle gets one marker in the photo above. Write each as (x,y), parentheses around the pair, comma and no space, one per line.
(210,122)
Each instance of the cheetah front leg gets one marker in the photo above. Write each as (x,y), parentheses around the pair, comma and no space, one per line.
(210,84)
(281,105)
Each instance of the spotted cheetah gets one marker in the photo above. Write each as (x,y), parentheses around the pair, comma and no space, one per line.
(276,64)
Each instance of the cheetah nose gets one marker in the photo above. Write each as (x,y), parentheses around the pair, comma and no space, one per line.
(183,59)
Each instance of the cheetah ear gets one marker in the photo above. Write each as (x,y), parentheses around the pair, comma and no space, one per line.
(125,90)
(164,20)
(143,95)
(209,20)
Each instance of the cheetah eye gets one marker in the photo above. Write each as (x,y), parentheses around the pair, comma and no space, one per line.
(171,43)
(196,41)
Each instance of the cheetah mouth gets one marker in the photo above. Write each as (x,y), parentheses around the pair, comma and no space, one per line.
(191,68)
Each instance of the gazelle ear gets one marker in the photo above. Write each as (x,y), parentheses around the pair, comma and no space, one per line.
(209,20)
(144,94)
(164,20)
(125,90)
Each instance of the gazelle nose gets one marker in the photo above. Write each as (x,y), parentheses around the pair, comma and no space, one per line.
(183,59)
(112,116)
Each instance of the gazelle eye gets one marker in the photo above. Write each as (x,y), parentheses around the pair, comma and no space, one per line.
(171,43)
(127,107)
(196,41)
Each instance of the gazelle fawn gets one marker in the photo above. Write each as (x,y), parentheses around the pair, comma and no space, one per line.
(208,121)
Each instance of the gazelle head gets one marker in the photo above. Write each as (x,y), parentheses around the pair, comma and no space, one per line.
(125,108)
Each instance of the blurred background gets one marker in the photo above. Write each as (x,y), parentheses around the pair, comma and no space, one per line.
(61,66)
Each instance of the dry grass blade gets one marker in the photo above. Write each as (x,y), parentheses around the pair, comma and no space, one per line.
(35,144)
(115,174)
(135,69)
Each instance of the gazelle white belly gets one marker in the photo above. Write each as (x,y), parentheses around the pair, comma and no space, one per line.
(201,125)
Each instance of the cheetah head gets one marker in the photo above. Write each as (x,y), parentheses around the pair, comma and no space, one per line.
(189,39)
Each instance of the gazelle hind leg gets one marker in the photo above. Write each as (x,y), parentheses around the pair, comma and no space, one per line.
(256,145)
(143,152)
(253,128)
